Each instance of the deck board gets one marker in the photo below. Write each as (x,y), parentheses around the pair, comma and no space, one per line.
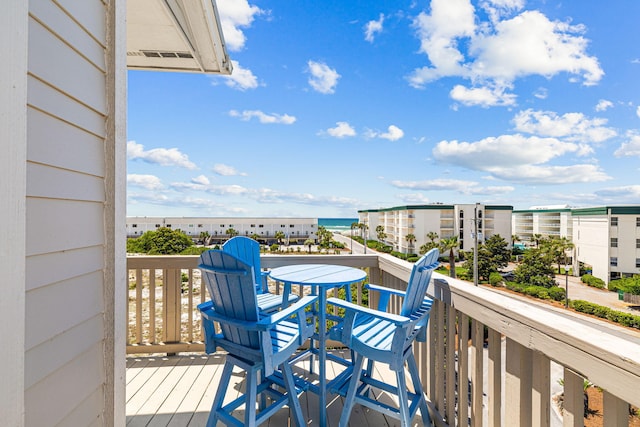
(178,391)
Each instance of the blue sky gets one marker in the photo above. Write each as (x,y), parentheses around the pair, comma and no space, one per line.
(336,106)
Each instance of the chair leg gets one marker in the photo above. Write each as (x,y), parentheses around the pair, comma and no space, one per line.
(250,397)
(350,399)
(403,399)
(222,388)
(417,387)
(294,402)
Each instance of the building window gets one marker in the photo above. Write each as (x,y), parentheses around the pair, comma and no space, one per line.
(637,262)
(221,225)
(261,226)
(638,221)
(614,221)
(253,226)
(134,225)
(157,225)
(168,225)
(637,243)
(291,225)
(199,225)
(614,261)
(282,226)
(461,213)
(614,242)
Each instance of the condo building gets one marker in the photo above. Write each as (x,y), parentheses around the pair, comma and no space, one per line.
(546,221)
(296,230)
(446,221)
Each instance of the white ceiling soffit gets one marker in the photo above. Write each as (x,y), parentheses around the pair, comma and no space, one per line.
(175,35)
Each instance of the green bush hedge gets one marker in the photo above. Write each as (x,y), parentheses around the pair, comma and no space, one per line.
(592,281)
(630,285)
(495,279)
(554,292)
(625,319)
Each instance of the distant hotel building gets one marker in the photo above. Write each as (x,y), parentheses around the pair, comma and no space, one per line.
(296,230)
(607,238)
(445,220)
(546,221)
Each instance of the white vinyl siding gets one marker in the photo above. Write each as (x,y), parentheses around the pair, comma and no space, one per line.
(67,100)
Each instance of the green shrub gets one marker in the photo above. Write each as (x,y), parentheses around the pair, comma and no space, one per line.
(628,284)
(413,258)
(495,279)
(625,319)
(537,291)
(593,281)
(556,293)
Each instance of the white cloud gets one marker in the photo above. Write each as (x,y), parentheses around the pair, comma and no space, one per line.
(603,105)
(393,133)
(247,115)
(149,182)
(226,170)
(615,194)
(570,126)
(235,15)
(414,198)
(342,130)
(482,96)
(322,78)
(502,151)
(532,174)
(638,111)
(372,28)
(201,179)
(460,186)
(493,54)
(160,156)
(541,93)
(241,78)
(631,147)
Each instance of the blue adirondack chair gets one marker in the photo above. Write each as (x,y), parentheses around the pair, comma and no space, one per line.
(248,250)
(260,344)
(388,338)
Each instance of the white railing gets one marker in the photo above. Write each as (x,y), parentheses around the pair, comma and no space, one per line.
(510,350)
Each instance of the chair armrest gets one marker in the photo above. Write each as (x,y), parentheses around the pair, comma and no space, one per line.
(207,311)
(394,318)
(384,289)
(287,312)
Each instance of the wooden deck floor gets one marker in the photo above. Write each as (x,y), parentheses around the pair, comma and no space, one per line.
(178,391)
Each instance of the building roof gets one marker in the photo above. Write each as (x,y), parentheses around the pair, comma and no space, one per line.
(176,35)
(434,206)
(604,210)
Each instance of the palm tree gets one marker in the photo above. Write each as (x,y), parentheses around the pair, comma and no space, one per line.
(254,236)
(432,235)
(537,238)
(205,237)
(231,232)
(410,238)
(380,233)
(450,244)
(279,236)
(514,238)
(309,243)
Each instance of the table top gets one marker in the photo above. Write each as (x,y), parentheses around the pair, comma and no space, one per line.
(317,274)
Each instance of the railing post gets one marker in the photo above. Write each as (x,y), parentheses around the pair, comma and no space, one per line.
(518,385)
(477,374)
(171,307)
(616,411)
(541,390)
(494,375)
(573,403)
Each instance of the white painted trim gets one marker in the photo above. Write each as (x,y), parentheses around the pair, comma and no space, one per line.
(13,146)
(115,216)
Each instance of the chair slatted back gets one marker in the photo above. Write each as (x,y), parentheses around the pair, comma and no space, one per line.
(230,283)
(419,282)
(248,250)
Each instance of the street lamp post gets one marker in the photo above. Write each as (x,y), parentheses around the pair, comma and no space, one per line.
(475,245)
(566,286)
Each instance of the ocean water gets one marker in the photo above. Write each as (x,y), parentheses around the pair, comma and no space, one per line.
(337,224)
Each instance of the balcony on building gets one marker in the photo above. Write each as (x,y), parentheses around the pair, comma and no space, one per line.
(514,353)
